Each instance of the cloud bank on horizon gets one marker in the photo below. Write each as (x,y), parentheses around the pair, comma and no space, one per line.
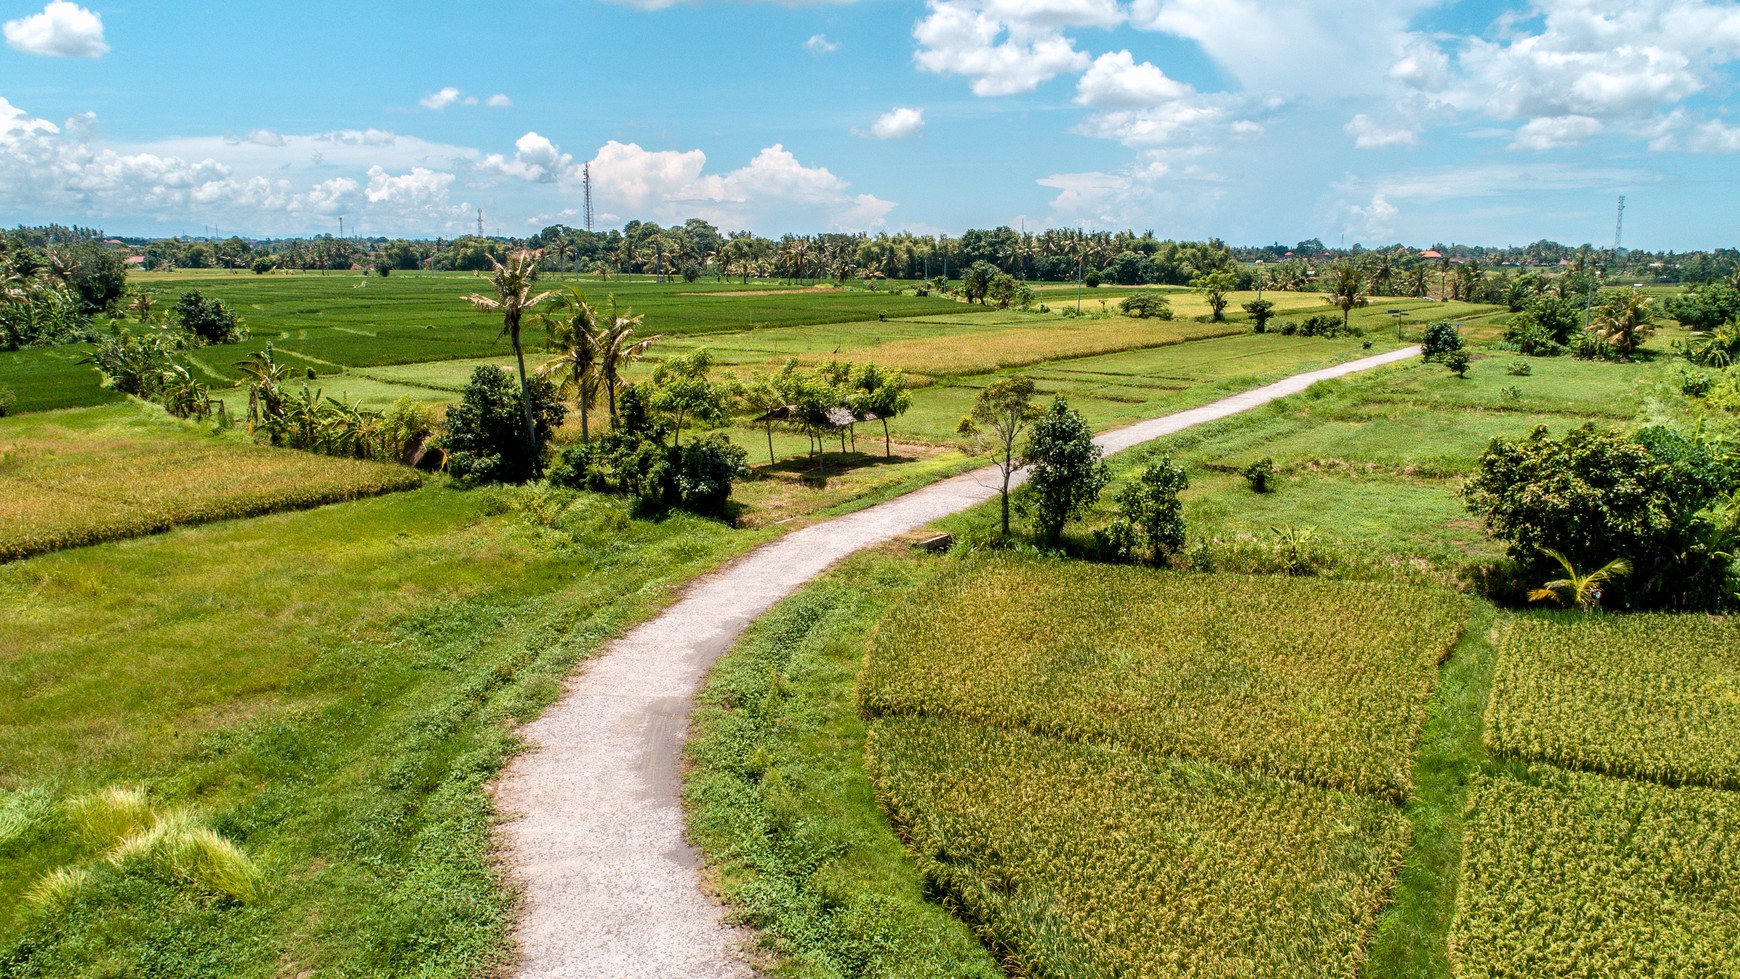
(1363,120)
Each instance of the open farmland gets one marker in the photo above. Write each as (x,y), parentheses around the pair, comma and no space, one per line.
(1317,681)
(328,690)
(1081,860)
(1652,697)
(76,478)
(1571,874)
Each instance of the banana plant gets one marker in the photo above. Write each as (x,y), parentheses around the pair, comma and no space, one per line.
(1582,590)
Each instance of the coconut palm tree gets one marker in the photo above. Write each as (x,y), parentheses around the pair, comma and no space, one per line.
(1582,589)
(1624,321)
(617,348)
(1345,289)
(571,324)
(513,299)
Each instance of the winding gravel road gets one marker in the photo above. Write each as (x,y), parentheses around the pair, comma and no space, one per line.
(592,815)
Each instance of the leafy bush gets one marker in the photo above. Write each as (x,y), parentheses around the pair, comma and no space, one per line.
(1325,325)
(210,320)
(1260,475)
(1308,679)
(1693,383)
(485,435)
(1519,368)
(635,459)
(1566,874)
(1456,362)
(1440,339)
(39,314)
(1151,506)
(1076,860)
(1545,326)
(1146,305)
(1261,310)
(1647,696)
(1600,494)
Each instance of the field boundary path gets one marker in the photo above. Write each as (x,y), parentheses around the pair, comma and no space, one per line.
(592,811)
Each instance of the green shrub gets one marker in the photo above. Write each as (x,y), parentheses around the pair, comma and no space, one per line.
(211,321)
(1440,339)
(1261,310)
(1693,383)
(1456,362)
(485,436)
(1065,474)
(1151,506)
(1519,368)
(635,459)
(1260,475)
(1596,495)
(1146,305)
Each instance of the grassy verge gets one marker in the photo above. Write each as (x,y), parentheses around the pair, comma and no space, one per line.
(1413,935)
(779,801)
(326,693)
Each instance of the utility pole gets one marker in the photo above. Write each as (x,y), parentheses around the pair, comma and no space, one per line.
(586,179)
(480,222)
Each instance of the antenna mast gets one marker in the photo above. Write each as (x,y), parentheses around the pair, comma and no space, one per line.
(586,175)
(480,222)
(1618,227)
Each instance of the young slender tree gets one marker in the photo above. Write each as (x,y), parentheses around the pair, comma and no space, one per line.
(513,299)
(883,393)
(1002,412)
(617,348)
(1345,289)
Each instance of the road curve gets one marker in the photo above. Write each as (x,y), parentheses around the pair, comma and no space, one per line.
(592,816)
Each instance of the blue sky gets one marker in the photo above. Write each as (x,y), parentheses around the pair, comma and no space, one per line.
(1352,121)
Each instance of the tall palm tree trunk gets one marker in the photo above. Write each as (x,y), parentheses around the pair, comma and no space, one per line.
(525,396)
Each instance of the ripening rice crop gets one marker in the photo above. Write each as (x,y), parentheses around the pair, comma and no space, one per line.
(981,353)
(1574,874)
(64,484)
(1323,681)
(1647,696)
(1077,860)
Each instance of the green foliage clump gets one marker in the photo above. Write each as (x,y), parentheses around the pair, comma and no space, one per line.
(1456,362)
(210,321)
(634,458)
(1261,310)
(1440,339)
(35,312)
(1567,873)
(1545,326)
(1149,511)
(1065,474)
(1705,307)
(1260,475)
(485,436)
(1079,860)
(1651,498)
(1320,681)
(1519,368)
(1646,696)
(1147,305)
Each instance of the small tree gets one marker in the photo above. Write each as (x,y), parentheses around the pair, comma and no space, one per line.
(883,393)
(1066,474)
(976,280)
(1456,362)
(1440,339)
(1152,507)
(1145,305)
(572,333)
(1261,310)
(211,320)
(1214,287)
(1624,321)
(1345,289)
(1002,412)
(486,438)
(682,390)
(513,299)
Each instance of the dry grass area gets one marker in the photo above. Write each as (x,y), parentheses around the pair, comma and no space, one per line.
(946,356)
(81,477)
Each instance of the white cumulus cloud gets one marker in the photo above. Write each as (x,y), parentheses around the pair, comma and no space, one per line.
(436,101)
(819,44)
(1553,132)
(61,30)
(1369,134)
(1116,81)
(898,123)
(1003,47)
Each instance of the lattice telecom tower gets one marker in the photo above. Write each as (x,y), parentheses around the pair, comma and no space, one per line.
(586,179)
(1618,227)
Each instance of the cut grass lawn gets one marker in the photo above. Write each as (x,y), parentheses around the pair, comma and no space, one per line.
(1076,860)
(1573,874)
(1325,682)
(82,476)
(329,691)
(1644,696)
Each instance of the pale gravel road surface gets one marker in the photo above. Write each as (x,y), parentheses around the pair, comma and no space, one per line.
(593,821)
